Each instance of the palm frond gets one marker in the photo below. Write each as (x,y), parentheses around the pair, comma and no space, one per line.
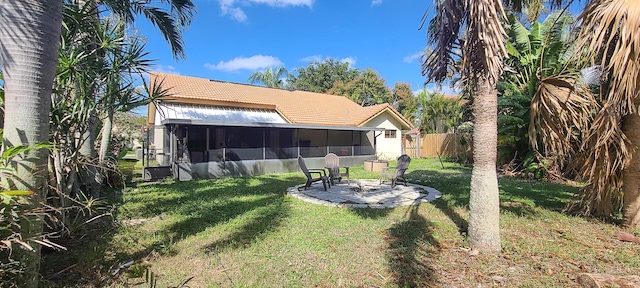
(611,32)
(169,20)
(560,110)
(484,47)
(610,39)
(443,40)
(184,11)
(167,26)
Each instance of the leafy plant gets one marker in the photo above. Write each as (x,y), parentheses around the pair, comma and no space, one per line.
(150,278)
(14,206)
(536,53)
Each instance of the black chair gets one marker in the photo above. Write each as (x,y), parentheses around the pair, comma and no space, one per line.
(332,163)
(398,171)
(322,176)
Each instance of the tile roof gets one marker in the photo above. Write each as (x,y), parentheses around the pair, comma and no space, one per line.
(298,107)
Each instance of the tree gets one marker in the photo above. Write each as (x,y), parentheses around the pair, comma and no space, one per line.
(1,102)
(271,78)
(169,20)
(437,113)
(483,49)
(611,34)
(608,42)
(29,39)
(125,62)
(321,76)
(404,101)
(367,89)
(540,52)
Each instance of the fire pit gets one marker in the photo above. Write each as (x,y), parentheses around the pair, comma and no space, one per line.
(367,194)
(362,189)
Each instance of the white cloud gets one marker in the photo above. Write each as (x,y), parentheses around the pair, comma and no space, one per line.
(320,58)
(376,2)
(231,7)
(412,57)
(284,3)
(350,60)
(252,63)
(165,69)
(234,12)
(312,58)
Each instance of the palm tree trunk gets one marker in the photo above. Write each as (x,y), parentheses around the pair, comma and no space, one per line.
(92,177)
(484,202)
(29,39)
(631,173)
(106,134)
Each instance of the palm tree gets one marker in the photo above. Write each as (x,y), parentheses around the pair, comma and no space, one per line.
(483,50)
(611,33)
(437,113)
(271,78)
(29,39)
(169,21)
(609,39)
(537,55)
(125,62)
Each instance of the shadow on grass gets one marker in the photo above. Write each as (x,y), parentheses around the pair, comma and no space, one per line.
(411,248)
(128,170)
(520,197)
(255,206)
(370,213)
(258,204)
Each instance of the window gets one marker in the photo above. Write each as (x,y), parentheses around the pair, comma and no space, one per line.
(243,143)
(340,142)
(281,143)
(312,142)
(389,133)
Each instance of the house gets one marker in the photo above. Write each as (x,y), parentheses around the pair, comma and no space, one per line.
(207,128)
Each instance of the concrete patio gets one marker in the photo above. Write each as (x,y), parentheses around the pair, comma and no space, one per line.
(366,194)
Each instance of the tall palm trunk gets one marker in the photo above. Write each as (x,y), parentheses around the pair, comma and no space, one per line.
(631,173)
(91,177)
(29,39)
(107,126)
(484,202)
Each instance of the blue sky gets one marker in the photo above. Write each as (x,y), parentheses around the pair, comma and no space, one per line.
(230,39)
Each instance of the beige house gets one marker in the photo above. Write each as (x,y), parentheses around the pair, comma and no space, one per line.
(207,128)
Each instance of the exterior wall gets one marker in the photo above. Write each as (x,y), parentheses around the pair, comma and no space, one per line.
(188,171)
(387,148)
(158,140)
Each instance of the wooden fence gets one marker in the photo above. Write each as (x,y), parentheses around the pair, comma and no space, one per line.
(446,145)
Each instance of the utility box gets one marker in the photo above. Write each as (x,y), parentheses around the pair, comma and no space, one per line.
(156,173)
(139,153)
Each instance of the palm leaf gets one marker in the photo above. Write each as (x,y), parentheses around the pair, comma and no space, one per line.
(610,35)
(561,109)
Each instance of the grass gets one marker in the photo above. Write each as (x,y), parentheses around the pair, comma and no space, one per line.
(246,232)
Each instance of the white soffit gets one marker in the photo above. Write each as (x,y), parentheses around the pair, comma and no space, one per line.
(216,113)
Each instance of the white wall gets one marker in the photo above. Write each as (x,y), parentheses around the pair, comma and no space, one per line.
(158,140)
(387,148)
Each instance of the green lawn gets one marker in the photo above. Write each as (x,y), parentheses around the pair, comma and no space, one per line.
(246,232)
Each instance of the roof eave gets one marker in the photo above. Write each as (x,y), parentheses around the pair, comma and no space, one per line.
(258,124)
(393,113)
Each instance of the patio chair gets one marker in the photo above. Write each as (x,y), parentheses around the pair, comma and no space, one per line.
(321,175)
(398,171)
(332,163)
